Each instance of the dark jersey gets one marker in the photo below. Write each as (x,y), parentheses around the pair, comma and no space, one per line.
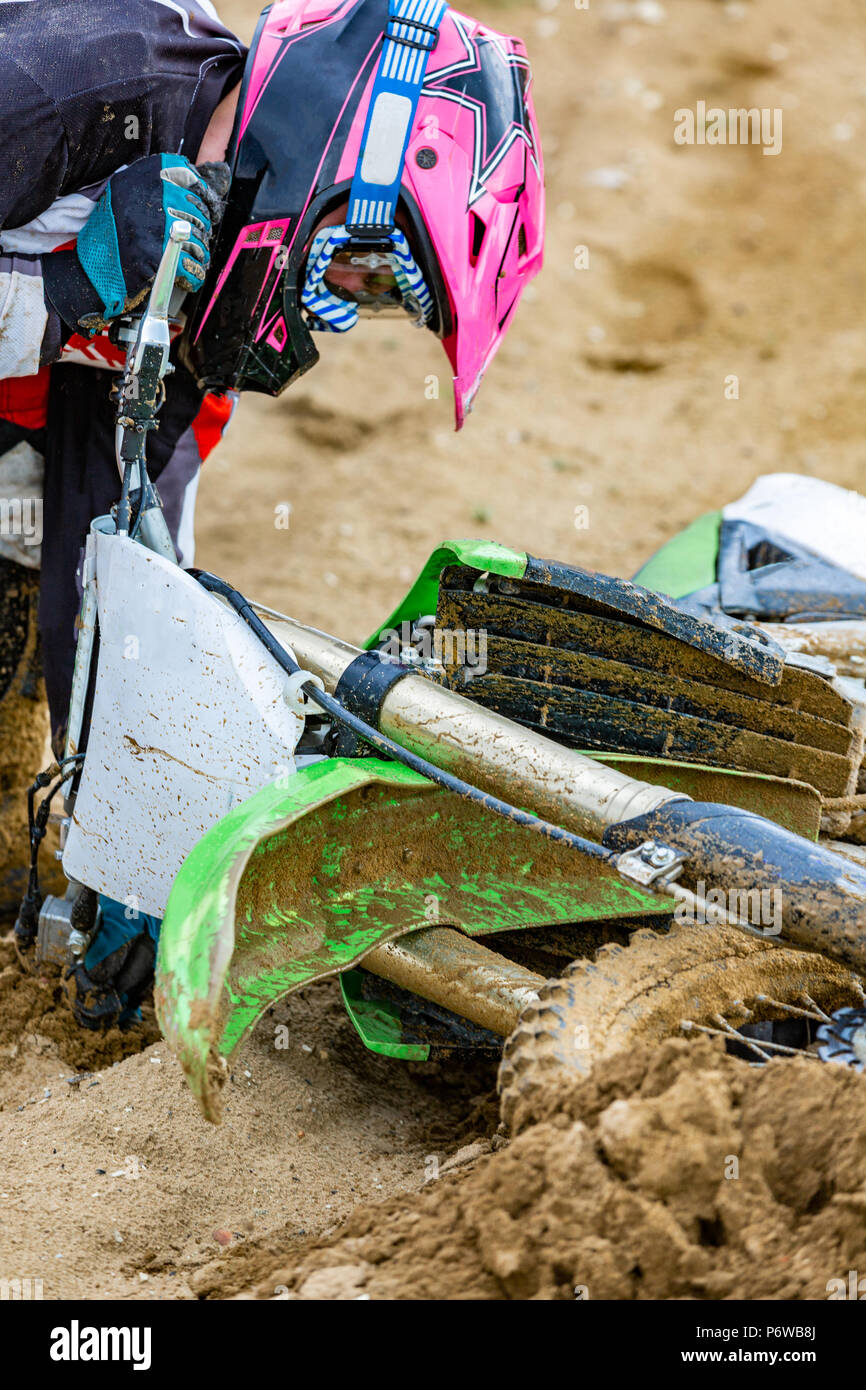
(87,86)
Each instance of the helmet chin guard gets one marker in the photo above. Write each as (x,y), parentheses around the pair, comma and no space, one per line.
(417,120)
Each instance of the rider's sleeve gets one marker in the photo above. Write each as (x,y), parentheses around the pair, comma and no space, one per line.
(32,150)
(87,87)
(31,334)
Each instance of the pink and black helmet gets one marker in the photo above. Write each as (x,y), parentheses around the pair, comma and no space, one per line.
(385,152)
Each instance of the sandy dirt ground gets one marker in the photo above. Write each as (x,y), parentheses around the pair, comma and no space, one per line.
(626,1189)
(608,404)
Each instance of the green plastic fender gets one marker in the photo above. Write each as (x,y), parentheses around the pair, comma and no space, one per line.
(377,1022)
(311,873)
(424,594)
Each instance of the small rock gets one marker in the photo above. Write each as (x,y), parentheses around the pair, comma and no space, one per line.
(222,1236)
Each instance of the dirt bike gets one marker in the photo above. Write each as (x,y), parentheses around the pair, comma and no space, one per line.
(542,805)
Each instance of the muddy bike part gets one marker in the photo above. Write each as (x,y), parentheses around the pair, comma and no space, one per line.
(649,865)
(691,980)
(823,904)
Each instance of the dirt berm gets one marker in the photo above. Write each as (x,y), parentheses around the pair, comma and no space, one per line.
(675,1173)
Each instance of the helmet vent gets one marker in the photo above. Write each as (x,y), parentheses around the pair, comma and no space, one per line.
(478,231)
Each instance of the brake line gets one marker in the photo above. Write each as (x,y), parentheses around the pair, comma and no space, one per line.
(27,921)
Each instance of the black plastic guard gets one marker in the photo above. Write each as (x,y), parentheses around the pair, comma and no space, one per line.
(746,650)
(821,895)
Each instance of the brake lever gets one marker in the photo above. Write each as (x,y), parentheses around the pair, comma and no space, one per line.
(140,395)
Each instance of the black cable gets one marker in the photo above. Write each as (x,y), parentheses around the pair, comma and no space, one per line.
(383,744)
(27,922)
(38,821)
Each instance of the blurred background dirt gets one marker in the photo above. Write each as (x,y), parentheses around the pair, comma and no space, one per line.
(702,263)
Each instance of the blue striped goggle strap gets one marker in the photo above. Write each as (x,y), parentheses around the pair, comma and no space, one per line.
(412,32)
(329,312)
(333,314)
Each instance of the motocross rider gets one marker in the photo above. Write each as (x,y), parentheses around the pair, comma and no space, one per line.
(362,157)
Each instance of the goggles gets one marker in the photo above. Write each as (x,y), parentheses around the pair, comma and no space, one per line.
(348,277)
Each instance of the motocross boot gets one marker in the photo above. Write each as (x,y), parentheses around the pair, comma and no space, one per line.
(107,988)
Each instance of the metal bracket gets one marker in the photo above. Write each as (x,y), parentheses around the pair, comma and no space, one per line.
(295,697)
(650,863)
(59,939)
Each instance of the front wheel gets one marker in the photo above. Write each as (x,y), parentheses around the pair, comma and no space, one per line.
(717,980)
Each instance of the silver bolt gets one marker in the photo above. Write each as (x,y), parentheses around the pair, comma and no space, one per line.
(659,856)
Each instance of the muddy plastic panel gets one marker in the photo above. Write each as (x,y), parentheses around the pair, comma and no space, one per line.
(796,806)
(309,875)
(744,648)
(505,612)
(570,664)
(394,1023)
(594,721)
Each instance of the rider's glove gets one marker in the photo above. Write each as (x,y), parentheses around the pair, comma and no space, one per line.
(120,246)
